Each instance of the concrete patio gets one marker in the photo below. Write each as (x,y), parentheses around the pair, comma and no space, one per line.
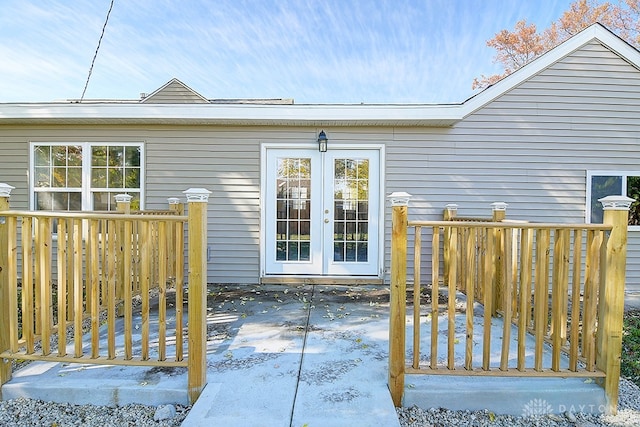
(293,356)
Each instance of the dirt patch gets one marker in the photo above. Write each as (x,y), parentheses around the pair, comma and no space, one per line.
(341,396)
(230,362)
(328,372)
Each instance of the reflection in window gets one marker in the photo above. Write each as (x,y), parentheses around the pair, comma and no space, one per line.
(293,206)
(351,210)
(605,184)
(63,173)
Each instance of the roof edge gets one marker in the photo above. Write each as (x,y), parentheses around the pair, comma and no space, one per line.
(248,114)
(594,32)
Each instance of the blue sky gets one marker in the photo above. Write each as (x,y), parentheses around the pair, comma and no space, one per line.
(314,51)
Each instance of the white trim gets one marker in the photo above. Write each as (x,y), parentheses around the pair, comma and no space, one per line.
(265,146)
(305,115)
(232,114)
(611,172)
(86,190)
(593,32)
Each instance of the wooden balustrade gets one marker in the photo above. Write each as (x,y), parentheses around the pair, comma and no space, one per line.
(545,281)
(80,275)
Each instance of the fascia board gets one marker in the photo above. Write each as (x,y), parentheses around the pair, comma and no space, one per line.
(214,113)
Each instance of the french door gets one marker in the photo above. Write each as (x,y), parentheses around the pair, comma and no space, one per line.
(322,212)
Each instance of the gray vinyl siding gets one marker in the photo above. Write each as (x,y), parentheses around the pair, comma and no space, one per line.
(530,148)
(14,164)
(226,162)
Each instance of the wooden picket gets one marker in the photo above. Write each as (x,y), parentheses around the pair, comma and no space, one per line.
(545,280)
(96,265)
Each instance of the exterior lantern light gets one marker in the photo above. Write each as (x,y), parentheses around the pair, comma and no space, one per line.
(173,200)
(616,203)
(5,189)
(499,206)
(399,198)
(322,142)
(197,194)
(123,198)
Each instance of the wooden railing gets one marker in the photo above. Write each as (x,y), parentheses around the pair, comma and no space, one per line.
(559,289)
(90,284)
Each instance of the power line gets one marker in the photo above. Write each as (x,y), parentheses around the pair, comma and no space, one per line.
(95,55)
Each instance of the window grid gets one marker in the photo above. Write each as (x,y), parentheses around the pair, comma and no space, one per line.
(351,210)
(293,204)
(64,180)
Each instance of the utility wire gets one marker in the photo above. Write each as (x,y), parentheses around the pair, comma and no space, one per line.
(95,55)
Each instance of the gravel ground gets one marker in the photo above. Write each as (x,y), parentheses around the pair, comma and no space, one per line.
(36,413)
(628,415)
(31,413)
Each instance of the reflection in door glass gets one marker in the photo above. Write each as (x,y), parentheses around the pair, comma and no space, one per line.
(293,205)
(351,210)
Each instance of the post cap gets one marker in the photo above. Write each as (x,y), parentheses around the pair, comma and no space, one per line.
(123,198)
(616,203)
(5,189)
(399,198)
(451,207)
(173,200)
(499,206)
(197,194)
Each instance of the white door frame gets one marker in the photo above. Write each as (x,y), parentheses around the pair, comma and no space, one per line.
(313,146)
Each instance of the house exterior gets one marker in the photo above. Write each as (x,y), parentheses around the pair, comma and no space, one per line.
(548,140)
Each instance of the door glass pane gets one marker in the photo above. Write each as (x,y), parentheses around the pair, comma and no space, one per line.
(351,210)
(293,209)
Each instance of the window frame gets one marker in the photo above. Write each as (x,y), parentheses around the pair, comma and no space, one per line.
(86,189)
(623,174)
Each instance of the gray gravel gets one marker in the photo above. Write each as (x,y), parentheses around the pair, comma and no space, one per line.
(30,413)
(628,415)
(35,413)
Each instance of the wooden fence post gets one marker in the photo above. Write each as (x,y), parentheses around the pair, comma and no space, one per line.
(5,364)
(175,205)
(123,204)
(499,213)
(178,208)
(450,212)
(398,297)
(616,213)
(197,310)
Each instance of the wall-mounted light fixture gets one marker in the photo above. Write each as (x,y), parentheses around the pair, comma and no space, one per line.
(322,142)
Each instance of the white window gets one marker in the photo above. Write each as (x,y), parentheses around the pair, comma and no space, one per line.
(606,183)
(85,176)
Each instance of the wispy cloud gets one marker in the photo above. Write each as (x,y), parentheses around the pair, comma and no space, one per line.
(315,51)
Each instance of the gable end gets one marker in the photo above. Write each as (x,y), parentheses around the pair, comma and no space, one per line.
(175,92)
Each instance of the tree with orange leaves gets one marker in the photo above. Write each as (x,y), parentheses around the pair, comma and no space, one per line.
(524,43)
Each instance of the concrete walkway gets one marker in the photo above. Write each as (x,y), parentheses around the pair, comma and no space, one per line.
(314,356)
(277,356)
(297,356)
